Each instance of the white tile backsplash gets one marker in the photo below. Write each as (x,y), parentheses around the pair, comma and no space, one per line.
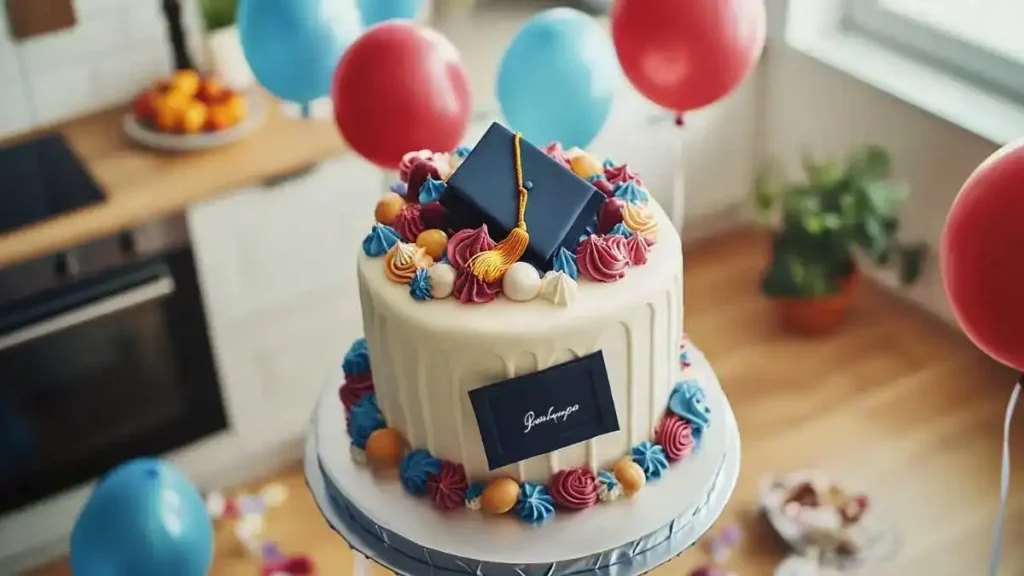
(116,48)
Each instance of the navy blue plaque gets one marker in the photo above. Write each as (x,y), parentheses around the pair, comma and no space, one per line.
(483,190)
(538,413)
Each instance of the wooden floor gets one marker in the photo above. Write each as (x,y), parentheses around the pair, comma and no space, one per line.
(897,403)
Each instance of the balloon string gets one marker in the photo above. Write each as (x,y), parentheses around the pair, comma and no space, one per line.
(678,177)
(1004,482)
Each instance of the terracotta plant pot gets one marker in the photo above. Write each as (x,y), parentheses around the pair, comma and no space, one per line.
(818,315)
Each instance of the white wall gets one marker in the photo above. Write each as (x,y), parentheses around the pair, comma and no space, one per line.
(117,47)
(811,106)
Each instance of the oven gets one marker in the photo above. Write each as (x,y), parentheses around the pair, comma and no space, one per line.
(104,356)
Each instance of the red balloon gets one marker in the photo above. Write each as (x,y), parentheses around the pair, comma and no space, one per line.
(686,54)
(401,87)
(982,256)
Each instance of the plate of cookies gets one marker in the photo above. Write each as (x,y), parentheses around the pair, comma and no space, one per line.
(189,112)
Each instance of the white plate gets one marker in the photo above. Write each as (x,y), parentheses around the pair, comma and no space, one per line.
(167,142)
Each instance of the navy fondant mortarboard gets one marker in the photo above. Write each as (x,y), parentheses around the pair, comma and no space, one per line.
(485,190)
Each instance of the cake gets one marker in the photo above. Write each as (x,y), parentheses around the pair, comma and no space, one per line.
(524,349)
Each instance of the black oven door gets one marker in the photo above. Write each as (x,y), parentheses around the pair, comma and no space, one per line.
(101,371)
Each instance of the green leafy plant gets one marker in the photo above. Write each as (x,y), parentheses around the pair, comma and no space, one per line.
(839,209)
(218,14)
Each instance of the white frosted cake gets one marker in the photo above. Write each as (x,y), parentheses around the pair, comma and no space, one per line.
(522,310)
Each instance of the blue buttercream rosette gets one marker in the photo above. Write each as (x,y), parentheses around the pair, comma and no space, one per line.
(415,470)
(689,401)
(535,505)
(357,359)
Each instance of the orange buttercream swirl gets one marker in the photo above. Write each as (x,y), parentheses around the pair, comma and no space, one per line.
(639,219)
(403,260)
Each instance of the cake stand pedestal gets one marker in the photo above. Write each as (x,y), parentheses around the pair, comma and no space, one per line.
(658,544)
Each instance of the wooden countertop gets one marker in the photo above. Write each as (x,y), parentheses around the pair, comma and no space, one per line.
(141,184)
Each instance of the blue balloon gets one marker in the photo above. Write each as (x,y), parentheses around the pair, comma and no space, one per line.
(293,46)
(375,11)
(144,517)
(557,78)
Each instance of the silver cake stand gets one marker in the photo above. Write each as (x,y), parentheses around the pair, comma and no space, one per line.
(637,556)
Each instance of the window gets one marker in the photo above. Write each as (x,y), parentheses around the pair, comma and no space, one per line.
(981,40)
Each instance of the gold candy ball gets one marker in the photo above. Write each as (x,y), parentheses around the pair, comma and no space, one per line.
(499,496)
(585,166)
(388,208)
(630,476)
(433,241)
(385,448)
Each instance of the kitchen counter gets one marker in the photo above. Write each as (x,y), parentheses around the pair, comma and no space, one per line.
(141,184)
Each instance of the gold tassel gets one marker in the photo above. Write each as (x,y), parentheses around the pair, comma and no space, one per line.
(491,265)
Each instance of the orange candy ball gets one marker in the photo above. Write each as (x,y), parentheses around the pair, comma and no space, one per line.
(388,208)
(630,476)
(584,165)
(499,496)
(433,241)
(385,448)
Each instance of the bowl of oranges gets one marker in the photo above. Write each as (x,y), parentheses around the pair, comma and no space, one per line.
(189,111)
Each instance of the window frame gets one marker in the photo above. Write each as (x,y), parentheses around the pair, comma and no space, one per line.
(987,69)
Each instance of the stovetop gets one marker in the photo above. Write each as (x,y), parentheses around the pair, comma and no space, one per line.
(42,178)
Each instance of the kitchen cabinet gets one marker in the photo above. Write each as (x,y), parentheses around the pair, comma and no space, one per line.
(277,268)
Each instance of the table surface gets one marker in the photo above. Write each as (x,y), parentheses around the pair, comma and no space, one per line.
(141,184)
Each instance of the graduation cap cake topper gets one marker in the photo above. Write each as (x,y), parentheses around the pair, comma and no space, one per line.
(532,202)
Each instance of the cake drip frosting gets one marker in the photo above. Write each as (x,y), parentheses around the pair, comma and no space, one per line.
(468,243)
(675,435)
(574,489)
(403,260)
(415,470)
(448,486)
(599,260)
(380,239)
(535,505)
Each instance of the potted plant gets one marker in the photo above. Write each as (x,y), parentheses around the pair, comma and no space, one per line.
(223,45)
(842,213)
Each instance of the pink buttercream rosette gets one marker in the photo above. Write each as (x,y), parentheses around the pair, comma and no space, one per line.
(355,387)
(602,258)
(675,436)
(409,223)
(573,489)
(447,488)
(468,243)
